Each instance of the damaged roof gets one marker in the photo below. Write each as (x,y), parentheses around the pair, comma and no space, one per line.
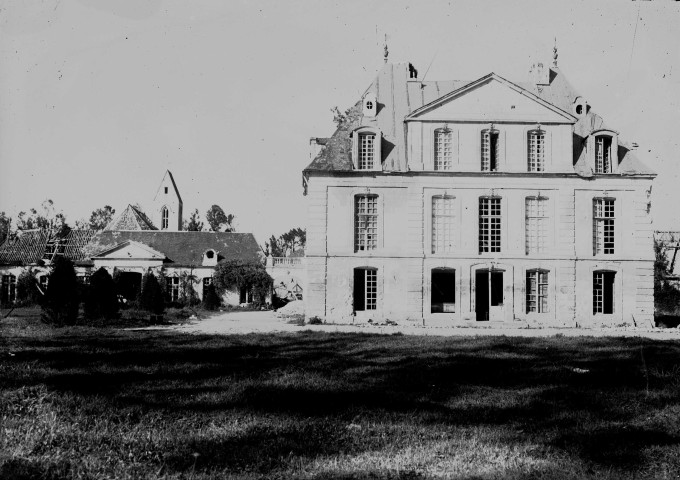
(28,247)
(182,248)
(397,97)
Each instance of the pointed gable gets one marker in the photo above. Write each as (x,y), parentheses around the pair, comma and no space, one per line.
(130,219)
(489,99)
(168,182)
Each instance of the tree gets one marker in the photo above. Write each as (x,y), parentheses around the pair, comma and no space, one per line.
(101,300)
(60,303)
(101,217)
(151,296)
(287,243)
(47,218)
(5,224)
(666,296)
(230,274)
(187,293)
(218,220)
(194,223)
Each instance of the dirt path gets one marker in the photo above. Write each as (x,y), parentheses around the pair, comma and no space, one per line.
(266,322)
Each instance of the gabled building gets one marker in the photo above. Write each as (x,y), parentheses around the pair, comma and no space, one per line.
(457,202)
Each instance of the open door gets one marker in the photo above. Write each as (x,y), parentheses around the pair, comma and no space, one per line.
(489,295)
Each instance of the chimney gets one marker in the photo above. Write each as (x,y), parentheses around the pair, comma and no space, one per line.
(539,74)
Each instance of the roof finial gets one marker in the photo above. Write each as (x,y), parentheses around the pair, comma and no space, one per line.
(555,54)
(386,51)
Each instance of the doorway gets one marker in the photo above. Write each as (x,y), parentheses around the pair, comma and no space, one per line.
(129,285)
(443,286)
(489,295)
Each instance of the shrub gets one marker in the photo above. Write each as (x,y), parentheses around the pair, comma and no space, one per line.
(101,300)
(211,301)
(151,296)
(27,289)
(315,321)
(60,304)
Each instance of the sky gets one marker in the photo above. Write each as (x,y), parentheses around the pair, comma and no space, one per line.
(99,97)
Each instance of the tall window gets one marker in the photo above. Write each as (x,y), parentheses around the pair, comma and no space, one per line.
(489,224)
(443,217)
(366,151)
(443,286)
(164,218)
(603,154)
(603,292)
(537,291)
(490,150)
(173,289)
(536,224)
(9,289)
(603,225)
(443,153)
(365,222)
(365,289)
(207,281)
(536,151)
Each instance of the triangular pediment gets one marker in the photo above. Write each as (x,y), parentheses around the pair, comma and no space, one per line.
(130,250)
(491,99)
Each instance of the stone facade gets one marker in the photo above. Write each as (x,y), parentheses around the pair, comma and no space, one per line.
(491,202)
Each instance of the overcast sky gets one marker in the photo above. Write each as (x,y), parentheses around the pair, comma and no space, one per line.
(99,97)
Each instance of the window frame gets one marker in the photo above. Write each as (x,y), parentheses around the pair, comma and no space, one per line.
(540,300)
(605,165)
(357,216)
(165,217)
(373,290)
(537,164)
(490,216)
(601,224)
(173,288)
(357,136)
(449,227)
(491,132)
(448,163)
(8,283)
(614,279)
(542,223)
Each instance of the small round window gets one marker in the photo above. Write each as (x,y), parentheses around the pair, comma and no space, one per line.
(369,105)
(209,254)
(579,109)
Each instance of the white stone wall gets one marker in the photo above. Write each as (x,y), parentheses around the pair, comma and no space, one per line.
(404,258)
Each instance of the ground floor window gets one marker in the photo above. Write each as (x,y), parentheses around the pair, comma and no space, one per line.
(173,289)
(9,289)
(443,286)
(488,292)
(365,289)
(83,278)
(43,281)
(603,292)
(537,291)
(207,281)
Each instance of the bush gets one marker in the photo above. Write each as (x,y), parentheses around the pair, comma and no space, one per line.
(315,321)
(101,300)
(60,304)
(211,301)
(27,289)
(151,296)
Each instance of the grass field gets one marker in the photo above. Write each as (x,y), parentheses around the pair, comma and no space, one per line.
(98,403)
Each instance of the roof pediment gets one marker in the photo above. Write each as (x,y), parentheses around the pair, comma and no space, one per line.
(491,99)
(130,250)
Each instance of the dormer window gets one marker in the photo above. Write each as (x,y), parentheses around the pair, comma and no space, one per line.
(366,149)
(209,254)
(536,150)
(370,105)
(164,218)
(490,149)
(603,154)
(210,257)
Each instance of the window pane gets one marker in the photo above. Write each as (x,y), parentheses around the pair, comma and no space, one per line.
(536,224)
(366,222)
(536,151)
(443,153)
(366,151)
(489,224)
(603,226)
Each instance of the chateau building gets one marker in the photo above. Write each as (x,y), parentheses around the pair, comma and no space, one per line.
(456,202)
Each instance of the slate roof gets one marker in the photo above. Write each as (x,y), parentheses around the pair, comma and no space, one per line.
(397,97)
(182,248)
(130,219)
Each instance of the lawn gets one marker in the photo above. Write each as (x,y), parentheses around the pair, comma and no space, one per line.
(101,403)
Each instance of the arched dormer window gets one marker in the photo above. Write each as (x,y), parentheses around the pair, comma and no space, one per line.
(164,218)
(210,257)
(604,146)
(536,150)
(366,153)
(443,149)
